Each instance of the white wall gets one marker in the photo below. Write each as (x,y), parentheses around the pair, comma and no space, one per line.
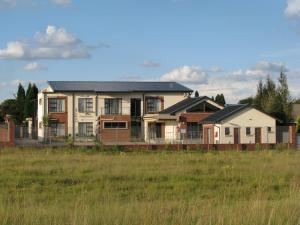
(249,118)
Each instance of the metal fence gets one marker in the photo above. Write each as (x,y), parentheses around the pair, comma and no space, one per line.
(157,135)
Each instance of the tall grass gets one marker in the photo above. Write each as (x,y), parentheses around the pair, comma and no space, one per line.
(70,187)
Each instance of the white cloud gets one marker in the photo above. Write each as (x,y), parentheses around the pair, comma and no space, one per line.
(56,37)
(12,4)
(270,66)
(34,66)
(13,50)
(237,84)
(186,74)
(292,8)
(150,64)
(54,43)
(61,2)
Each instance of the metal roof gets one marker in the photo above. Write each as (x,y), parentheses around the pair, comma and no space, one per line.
(225,113)
(116,86)
(183,105)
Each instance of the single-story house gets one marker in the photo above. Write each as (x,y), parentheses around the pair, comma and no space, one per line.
(239,124)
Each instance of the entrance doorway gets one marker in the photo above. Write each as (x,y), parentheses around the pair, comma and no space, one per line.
(236,135)
(258,135)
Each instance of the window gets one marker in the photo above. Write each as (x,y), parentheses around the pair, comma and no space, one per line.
(269,129)
(85,105)
(115,125)
(227,131)
(57,129)
(40,101)
(153,104)
(85,129)
(113,106)
(40,125)
(193,130)
(56,105)
(248,131)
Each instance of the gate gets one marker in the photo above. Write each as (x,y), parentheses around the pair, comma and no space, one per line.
(298,141)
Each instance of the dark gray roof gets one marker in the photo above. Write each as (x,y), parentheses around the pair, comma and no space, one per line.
(182,105)
(116,86)
(224,113)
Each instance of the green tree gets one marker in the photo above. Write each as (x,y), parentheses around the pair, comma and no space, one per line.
(249,101)
(20,103)
(9,107)
(220,99)
(196,94)
(259,95)
(298,124)
(284,98)
(28,111)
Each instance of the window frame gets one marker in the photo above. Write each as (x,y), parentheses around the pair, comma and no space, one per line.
(115,128)
(51,105)
(248,131)
(227,133)
(86,102)
(153,103)
(109,106)
(56,128)
(88,133)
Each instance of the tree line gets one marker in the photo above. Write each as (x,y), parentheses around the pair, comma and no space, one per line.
(273,99)
(23,106)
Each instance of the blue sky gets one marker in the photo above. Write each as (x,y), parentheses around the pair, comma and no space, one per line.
(211,46)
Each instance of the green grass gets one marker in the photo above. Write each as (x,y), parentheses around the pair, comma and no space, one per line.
(140,188)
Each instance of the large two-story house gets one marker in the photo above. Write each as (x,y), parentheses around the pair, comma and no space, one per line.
(110,111)
(152,112)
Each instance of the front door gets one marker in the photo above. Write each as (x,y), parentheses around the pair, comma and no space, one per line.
(258,135)
(236,135)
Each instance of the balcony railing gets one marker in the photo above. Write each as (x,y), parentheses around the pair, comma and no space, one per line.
(122,111)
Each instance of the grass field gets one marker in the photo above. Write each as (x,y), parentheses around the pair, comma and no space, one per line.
(76,187)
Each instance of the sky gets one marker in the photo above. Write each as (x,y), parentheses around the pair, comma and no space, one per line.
(211,46)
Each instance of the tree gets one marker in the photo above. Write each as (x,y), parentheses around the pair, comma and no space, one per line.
(20,103)
(35,92)
(284,97)
(9,107)
(28,108)
(259,95)
(249,101)
(272,99)
(220,99)
(298,124)
(196,94)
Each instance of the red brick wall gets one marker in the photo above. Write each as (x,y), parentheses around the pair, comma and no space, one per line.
(7,135)
(193,117)
(3,134)
(115,135)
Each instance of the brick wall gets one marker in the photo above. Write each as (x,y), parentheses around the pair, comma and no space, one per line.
(7,134)
(115,135)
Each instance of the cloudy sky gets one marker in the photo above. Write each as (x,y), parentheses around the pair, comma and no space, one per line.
(211,46)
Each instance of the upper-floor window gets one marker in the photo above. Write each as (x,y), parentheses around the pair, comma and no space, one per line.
(85,105)
(154,104)
(113,106)
(56,105)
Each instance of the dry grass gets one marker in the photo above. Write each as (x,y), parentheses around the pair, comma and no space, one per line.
(81,187)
